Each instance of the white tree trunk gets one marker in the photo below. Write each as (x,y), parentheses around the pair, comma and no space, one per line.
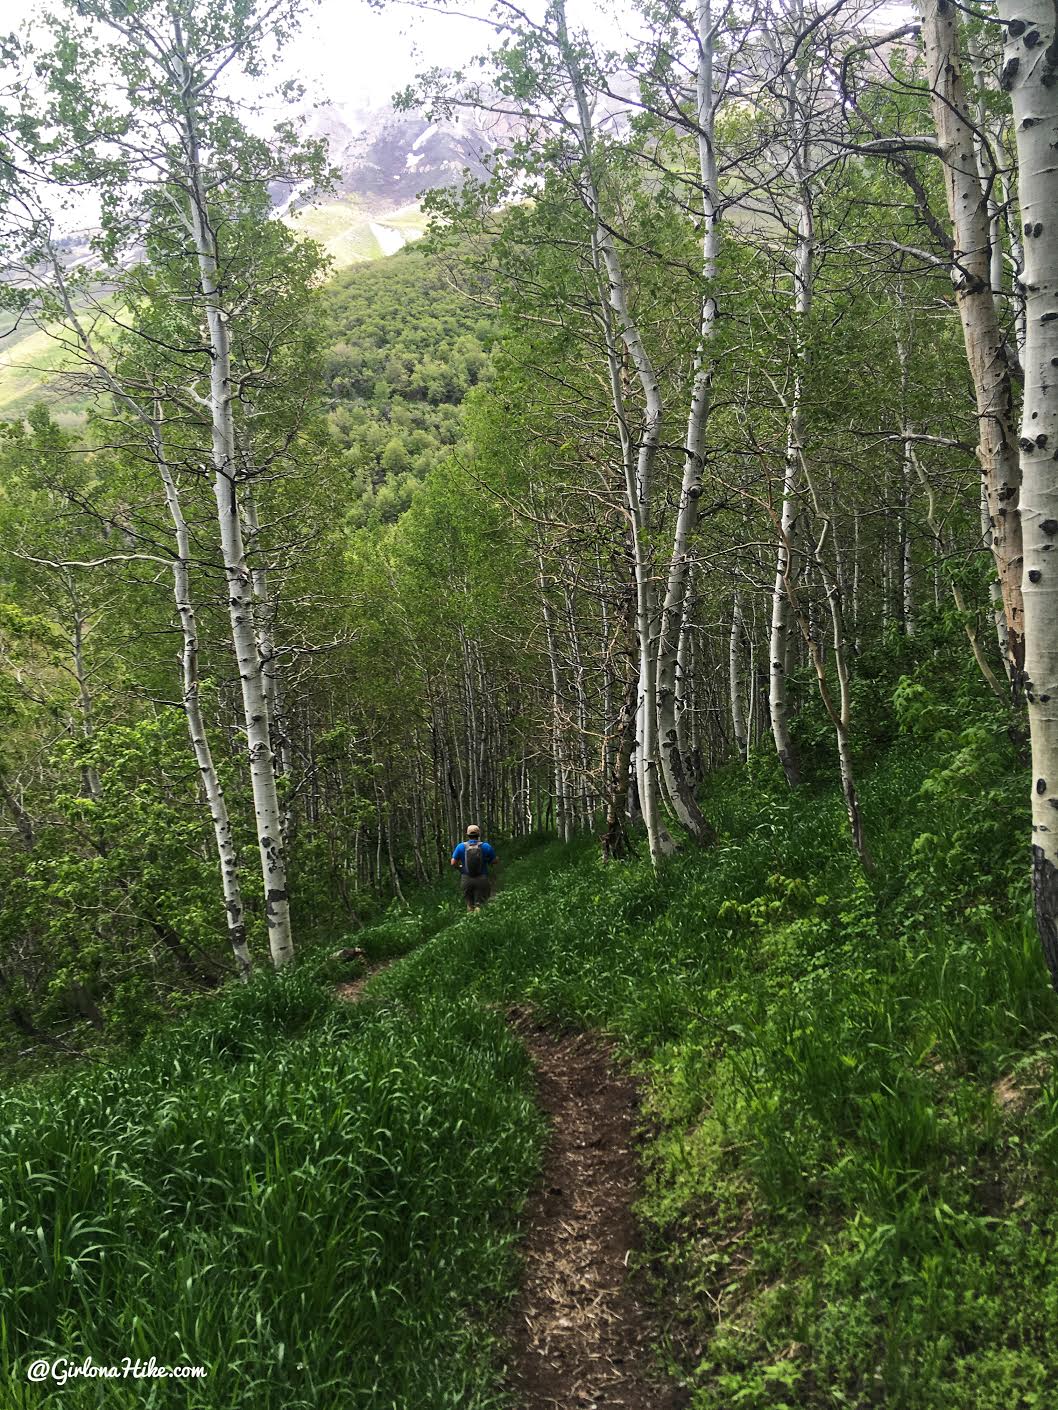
(734,677)
(196,725)
(685,705)
(638,455)
(997,449)
(563,815)
(907,471)
(1031,74)
(677,786)
(804,268)
(995,592)
(264,623)
(267,811)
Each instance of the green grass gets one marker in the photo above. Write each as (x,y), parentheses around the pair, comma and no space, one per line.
(311,1200)
(343,228)
(852,1095)
(31,365)
(847,1209)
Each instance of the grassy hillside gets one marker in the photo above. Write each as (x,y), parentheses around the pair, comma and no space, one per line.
(851,1180)
(30,364)
(351,231)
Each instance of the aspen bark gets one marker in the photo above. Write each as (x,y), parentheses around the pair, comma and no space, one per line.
(685,710)
(997,449)
(677,787)
(1030,73)
(264,620)
(995,593)
(267,811)
(781,643)
(563,820)
(734,677)
(196,725)
(579,675)
(614,838)
(906,474)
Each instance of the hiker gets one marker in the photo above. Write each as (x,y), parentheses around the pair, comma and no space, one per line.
(472,857)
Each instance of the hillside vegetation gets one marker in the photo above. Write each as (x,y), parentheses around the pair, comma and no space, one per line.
(851,1090)
(680,513)
(405,349)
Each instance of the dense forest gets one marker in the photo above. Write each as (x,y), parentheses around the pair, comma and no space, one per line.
(679,512)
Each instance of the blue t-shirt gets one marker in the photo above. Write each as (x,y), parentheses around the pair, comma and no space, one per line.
(459,855)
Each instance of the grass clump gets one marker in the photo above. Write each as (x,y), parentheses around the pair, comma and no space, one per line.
(310,1200)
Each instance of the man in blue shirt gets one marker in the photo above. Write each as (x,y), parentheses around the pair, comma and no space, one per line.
(473,857)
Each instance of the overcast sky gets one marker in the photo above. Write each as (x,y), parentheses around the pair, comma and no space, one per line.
(350,53)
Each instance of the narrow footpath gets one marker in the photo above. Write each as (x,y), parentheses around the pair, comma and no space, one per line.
(579,1334)
(581,1337)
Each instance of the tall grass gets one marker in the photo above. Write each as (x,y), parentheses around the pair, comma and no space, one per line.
(312,1202)
(849,1212)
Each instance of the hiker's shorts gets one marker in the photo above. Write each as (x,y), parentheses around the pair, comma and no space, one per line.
(476,890)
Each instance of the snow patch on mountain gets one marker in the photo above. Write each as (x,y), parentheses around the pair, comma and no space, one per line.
(389,240)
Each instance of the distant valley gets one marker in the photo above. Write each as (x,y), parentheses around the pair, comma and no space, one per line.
(386,160)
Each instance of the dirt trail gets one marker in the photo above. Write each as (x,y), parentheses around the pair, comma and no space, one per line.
(581,1336)
(352,989)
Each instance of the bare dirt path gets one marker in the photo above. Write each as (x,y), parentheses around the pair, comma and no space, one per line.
(580,1333)
(352,989)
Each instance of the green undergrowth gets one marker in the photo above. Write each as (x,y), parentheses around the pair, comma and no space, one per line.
(311,1200)
(851,1144)
(852,1181)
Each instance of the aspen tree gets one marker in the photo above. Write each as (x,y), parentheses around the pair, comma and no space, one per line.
(170,58)
(672,612)
(971,272)
(1030,75)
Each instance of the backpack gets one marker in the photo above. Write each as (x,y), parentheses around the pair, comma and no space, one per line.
(474,859)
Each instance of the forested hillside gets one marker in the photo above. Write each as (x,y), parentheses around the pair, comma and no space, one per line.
(406,348)
(679,513)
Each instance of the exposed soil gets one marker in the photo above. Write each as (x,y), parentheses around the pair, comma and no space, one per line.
(580,1332)
(352,989)
(1015,1091)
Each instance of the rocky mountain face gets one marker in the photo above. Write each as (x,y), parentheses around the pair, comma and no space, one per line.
(387,159)
(391,158)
